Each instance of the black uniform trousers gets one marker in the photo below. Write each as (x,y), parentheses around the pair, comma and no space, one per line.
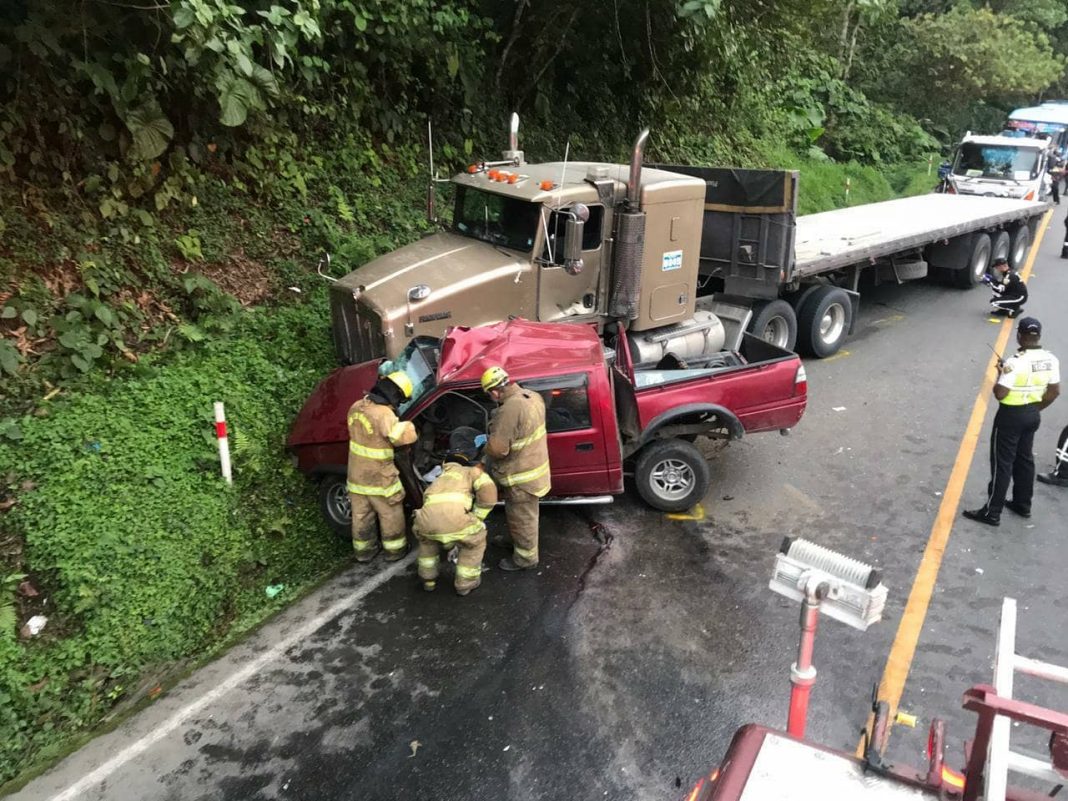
(1012,458)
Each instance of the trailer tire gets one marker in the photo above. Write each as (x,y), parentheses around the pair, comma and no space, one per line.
(775,322)
(824,321)
(335,505)
(1021,246)
(978,263)
(672,475)
(1002,246)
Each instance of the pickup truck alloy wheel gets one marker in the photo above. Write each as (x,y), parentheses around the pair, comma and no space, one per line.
(335,505)
(775,322)
(824,321)
(671,475)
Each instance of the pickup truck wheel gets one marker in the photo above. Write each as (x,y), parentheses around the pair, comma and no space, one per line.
(1021,246)
(978,263)
(335,506)
(775,322)
(824,321)
(672,475)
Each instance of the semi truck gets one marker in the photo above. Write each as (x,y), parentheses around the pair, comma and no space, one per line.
(670,252)
(604,414)
(1001,166)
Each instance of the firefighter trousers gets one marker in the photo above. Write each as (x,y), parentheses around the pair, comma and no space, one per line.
(389,512)
(468,563)
(521,512)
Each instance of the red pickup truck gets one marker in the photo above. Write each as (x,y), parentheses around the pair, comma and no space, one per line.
(604,415)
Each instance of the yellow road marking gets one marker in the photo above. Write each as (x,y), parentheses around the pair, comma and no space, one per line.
(839,355)
(899,661)
(697,513)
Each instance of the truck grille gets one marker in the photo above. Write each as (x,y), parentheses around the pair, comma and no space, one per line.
(357,329)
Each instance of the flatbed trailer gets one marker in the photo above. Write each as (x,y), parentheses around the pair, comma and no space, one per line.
(800,276)
(835,239)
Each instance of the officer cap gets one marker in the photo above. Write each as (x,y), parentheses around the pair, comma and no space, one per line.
(1030,325)
(999,260)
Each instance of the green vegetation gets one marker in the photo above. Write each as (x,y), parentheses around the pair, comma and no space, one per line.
(170,173)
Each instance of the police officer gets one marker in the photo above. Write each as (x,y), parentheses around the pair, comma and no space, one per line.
(520,452)
(1058,476)
(1029,382)
(454,508)
(374,482)
(1010,292)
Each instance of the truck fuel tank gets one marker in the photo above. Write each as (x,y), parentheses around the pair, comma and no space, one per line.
(700,335)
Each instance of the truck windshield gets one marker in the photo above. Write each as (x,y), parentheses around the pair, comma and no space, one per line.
(505,221)
(419,361)
(1001,162)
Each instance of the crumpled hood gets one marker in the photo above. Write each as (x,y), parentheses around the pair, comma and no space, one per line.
(322,418)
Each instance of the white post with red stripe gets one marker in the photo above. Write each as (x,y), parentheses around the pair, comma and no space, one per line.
(224,442)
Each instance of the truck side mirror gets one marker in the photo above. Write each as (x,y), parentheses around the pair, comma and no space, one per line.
(573,246)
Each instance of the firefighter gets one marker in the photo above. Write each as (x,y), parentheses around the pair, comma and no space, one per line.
(1010,292)
(1028,382)
(374,481)
(519,452)
(1058,476)
(454,508)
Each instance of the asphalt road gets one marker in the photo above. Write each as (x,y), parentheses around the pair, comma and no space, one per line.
(622,667)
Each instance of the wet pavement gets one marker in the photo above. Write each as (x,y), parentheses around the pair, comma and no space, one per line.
(621,668)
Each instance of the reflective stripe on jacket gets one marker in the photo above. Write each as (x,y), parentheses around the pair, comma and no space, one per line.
(455,505)
(1032,370)
(373,432)
(518,442)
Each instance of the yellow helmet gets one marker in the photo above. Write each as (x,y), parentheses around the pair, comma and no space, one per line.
(494,377)
(403,383)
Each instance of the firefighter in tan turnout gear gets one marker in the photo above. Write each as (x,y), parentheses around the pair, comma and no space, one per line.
(374,481)
(454,508)
(520,462)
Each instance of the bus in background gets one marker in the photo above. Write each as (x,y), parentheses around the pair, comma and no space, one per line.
(1050,118)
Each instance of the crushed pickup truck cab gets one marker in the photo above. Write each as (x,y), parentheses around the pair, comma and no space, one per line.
(603,412)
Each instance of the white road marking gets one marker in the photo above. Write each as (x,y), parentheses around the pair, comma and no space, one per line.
(83,785)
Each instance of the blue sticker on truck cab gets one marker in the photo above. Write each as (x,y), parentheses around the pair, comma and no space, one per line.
(672,260)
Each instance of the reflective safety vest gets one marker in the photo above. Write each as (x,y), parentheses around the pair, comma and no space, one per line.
(373,432)
(1030,371)
(518,430)
(455,505)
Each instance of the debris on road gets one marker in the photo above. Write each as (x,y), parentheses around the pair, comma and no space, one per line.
(414,745)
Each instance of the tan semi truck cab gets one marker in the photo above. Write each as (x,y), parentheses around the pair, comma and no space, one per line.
(582,242)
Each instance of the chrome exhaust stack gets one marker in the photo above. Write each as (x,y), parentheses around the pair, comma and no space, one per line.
(634,183)
(513,154)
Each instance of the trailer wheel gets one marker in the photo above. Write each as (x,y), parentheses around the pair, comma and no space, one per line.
(1021,246)
(672,475)
(1002,246)
(978,263)
(775,322)
(824,321)
(335,505)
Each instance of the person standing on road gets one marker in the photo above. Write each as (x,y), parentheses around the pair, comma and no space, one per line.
(1058,476)
(519,451)
(374,482)
(1010,292)
(1028,382)
(454,508)
(1056,173)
